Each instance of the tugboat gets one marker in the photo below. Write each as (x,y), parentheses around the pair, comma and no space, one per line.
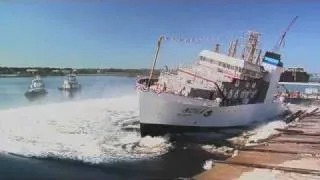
(36,88)
(70,83)
(217,91)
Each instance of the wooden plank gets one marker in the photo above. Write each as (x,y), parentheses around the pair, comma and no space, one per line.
(283,152)
(263,157)
(310,129)
(263,166)
(297,131)
(290,148)
(223,172)
(291,131)
(297,139)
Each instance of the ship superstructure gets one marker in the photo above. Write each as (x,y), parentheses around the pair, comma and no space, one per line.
(36,88)
(214,75)
(218,90)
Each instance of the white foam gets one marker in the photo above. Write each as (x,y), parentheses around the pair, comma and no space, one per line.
(268,129)
(208,164)
(265,130)
(88,130)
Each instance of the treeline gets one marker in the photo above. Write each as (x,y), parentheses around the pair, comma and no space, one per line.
(48,71)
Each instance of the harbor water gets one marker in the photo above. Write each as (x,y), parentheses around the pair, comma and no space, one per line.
(93,134)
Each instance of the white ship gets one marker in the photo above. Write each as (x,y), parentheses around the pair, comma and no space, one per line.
(218,90)
(36,88)
(70,83)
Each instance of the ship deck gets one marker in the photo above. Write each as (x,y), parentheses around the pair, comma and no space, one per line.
(294,153)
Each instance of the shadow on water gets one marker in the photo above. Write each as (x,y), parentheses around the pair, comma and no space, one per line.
(220,136)
(36,98)
(179,162)
(71,94)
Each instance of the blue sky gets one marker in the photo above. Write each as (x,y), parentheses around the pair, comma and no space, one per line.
(122,34)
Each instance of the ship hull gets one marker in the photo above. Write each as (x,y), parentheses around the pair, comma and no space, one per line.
(167,113)
(33,94)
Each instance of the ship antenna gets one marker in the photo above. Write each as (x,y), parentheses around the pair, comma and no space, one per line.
(234,51)
(161,38)
(230,50)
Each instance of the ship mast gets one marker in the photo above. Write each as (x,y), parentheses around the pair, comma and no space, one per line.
(230,48)
(161,38)
(250,49)
(234,52)
(233,48)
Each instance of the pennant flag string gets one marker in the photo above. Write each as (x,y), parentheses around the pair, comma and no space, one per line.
(189,40)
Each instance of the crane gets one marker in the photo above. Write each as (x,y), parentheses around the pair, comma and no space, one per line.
(281,39)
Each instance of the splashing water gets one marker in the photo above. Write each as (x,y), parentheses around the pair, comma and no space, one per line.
(265,130)
(89,131)
(207,165)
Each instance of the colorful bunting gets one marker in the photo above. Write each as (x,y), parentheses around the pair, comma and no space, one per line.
(188,40)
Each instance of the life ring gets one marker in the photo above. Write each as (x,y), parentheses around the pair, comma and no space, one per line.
(253,93)
(225,91)
(249,94)
(160,88)
(253,85)
(246,94)
(242,94)
(247,84)
(236,94)
(237,83)
(230,94)
(245,100)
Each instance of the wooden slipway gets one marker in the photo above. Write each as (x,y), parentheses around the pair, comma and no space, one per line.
(292,154)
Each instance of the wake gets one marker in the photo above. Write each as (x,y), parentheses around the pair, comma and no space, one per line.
(91,131)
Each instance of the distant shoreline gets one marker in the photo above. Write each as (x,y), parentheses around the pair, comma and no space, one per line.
(12,72)
(109,74)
